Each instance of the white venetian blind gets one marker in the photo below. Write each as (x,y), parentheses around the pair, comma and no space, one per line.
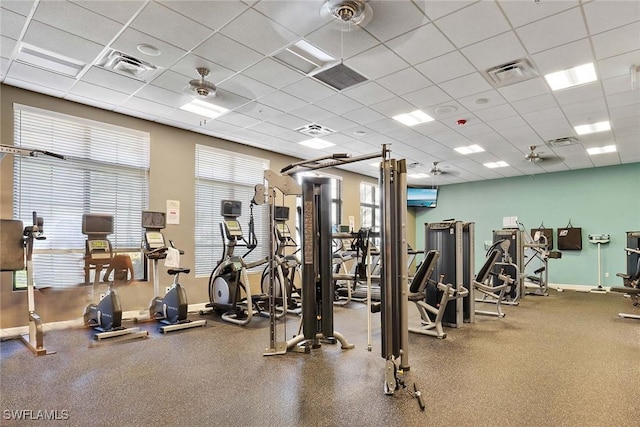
(224,175)
(106,171)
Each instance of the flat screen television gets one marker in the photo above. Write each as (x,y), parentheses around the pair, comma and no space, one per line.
(101,224)
(422,197)
(153,220)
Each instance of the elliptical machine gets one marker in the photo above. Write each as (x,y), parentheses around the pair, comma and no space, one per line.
(106,316)
(171,309)
(229,279)
(287,265)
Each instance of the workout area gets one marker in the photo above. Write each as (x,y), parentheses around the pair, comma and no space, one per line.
(320,212)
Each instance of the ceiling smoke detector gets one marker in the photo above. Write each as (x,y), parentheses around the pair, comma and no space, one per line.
(201,87)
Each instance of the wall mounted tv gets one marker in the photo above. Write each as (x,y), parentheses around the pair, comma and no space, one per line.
(422,197)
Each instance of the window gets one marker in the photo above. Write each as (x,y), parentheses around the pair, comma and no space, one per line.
(106,171)
(370,206)
(222,175)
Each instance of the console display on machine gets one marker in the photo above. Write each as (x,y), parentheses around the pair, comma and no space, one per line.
(153,220)
(281,213)
(97,224)
(154,240)
(233,227)
(231,208)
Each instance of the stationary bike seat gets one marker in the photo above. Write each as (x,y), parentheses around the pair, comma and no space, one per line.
(174,271)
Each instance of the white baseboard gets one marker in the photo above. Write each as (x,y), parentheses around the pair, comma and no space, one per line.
(560,287)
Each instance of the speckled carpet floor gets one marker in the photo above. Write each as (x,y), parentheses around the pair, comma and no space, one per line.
(565,359)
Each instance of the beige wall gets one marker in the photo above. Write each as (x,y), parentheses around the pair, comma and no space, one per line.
(171,178)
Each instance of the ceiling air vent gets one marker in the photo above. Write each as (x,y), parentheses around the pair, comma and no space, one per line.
(314,130)
(338,76)
(510,73)
(562,142)
(128,65)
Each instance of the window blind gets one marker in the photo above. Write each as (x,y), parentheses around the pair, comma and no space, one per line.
(222,175)
(106,171)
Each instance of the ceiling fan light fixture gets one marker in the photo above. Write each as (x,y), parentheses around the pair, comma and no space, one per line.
(201,87)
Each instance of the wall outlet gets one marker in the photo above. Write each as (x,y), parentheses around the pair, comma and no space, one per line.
(606,274)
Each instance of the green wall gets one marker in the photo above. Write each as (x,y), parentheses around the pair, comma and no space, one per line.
(604,200)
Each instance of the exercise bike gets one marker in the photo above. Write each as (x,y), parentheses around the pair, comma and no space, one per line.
(105,317)
(229,279)
(171,309)
(17,255)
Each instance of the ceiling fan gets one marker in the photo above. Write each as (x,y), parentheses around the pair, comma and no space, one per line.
(537,157)
(438,171)
(356,12)
(201,87)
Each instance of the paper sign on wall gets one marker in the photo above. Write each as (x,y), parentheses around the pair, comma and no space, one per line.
(173,211)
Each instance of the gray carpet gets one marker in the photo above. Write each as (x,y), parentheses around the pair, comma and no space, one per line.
(566,359)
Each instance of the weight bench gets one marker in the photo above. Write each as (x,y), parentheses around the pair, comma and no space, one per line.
(482,284)
(421,284)
(632,288)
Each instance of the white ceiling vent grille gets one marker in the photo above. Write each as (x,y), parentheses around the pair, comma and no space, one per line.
(338,76)
(510,73)
(128,65)
(315,130)
(562,142)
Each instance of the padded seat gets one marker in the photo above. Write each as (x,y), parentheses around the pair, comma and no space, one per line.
(482,284)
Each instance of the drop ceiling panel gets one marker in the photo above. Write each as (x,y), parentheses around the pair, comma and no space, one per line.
(404,81)
(245,87)
(61,42)
(477,22)
(77,20)
(301,17)
(616,85)
(101,77)
(282,101)
(341,45)
(521,13)
(585,108)
(11,23)
(258,111)
(466,85)
(338,104)
(617,41)
(273,73)
(438,9)
(122,14)
(227,52)
(98,93)
(421,44)
(535,103)
(495,113)
(391,19)
(564,57)
(338,123)
(495,51)
(393,107)
(312,113)
(256,30)
(368,93)
(446,67)
(149,107)
(523,90)
(553,31)
(39,77)
(239,119)
(376,62)
(618,65)
(6,47)
(602,17)
(212,14)
(363,115)
(22,7)
(428,97)
(162,96)
(513,122)
(309,90)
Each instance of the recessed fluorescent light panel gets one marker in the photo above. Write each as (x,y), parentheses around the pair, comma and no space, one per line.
(593,128)
(601,150)
(413,118)
(204,109)
(419,175)
(493,165)
(48,60)
(304,56)
(316,143)
(469,149)
(575,76)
